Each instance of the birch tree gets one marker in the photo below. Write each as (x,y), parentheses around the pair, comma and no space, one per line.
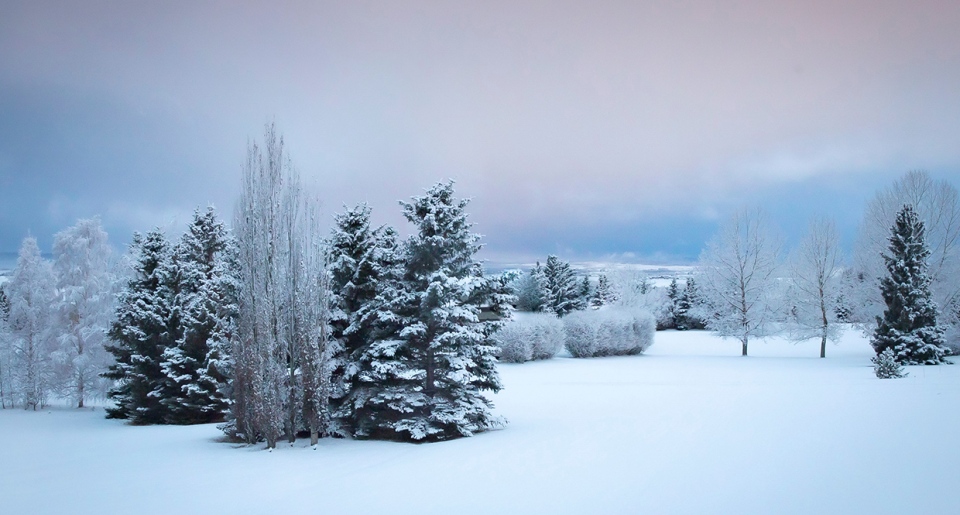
(31,295)
(737,272)
(85,286)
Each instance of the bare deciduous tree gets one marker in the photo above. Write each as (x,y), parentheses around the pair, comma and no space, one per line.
(738,276)
(815,268)
(280,369)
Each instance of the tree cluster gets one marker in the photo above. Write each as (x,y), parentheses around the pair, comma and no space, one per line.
(53,320)
(891,290)
(170,335)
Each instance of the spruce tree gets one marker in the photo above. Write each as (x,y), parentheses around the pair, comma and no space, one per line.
(690,302)
(361,258)
(586,293)
(604,293)
(422,376)
(561,287)
(530,291)
(909,323)
(192,392)
(673,310)
(140,333)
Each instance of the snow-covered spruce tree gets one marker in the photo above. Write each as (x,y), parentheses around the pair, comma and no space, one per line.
(140,333)
(192,391)
(84,306)
(604,293)
(674,310)
(691,303)
(937,204)
(31,295)
(360,258)
(815,285)
(586,293)
(531,290)
(909,324)
(421,378)
(563,294)
(885,365)
(738,270)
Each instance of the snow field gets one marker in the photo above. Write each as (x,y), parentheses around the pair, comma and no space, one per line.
(689,427)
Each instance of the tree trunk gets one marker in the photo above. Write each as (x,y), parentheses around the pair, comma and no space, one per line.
(823,346)
(314,437)
(744,348)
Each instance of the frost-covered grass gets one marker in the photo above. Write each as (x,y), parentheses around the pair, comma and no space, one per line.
(687,427)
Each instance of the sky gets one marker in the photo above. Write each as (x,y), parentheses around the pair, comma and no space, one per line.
(601,130)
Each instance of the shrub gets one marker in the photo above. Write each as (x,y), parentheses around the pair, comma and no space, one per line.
(530,336)
(608,332)
(885,365)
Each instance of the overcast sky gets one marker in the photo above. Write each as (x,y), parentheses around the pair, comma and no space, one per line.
(619,130)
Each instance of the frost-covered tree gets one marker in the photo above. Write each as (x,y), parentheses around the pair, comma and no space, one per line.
(815,281)
(361,258)
(909,323)
(30,292)
(275,392)
(531,290)
(738,273)
(421,379)
(6,353)
(691,304)
(675,311)
(604,293)
(193,388)
(586,293)
(560,284)
(84,305)
(937,204)
(140,333)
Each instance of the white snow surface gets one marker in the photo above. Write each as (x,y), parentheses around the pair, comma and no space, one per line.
(689,427)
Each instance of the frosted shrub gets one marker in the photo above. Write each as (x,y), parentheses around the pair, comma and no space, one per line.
(608,332)
(530,336)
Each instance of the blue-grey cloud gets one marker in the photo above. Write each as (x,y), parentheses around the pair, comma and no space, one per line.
(585,128)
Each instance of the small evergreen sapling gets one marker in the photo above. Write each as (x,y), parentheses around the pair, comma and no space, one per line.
(885,365)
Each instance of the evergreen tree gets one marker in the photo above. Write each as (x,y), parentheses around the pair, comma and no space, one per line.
(604,293)
(909,323)
(690,306)
(530,291)
(586,293)
(561,287)
(140,333)
(885,365)
(421,377)
(192,391)
(675,296)
(361,258)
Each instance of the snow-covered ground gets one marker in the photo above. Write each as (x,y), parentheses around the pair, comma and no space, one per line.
(690,427)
